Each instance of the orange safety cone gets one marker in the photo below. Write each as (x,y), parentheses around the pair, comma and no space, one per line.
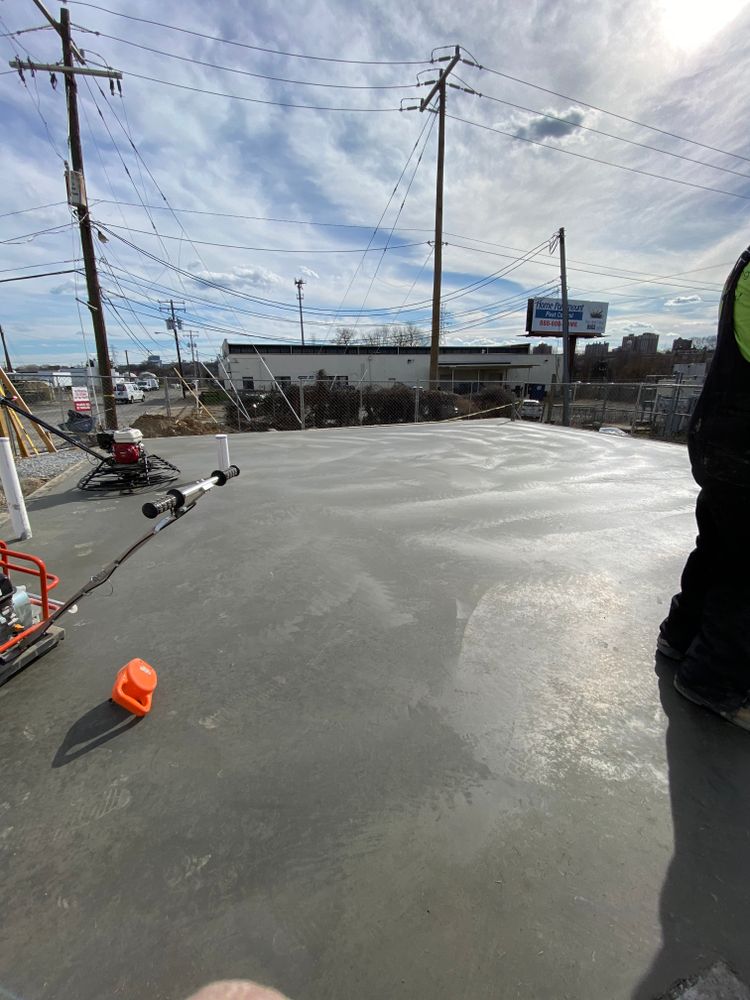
(134,687)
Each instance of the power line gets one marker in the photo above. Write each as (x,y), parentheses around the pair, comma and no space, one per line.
(36,208)
(612,114)
(395,222)
(347,225)
(619,138)
(45,274)
(106,227)
(27,237)
(380,220)
(606,163)
(651,280)
(245,72)
(255,100)
(28,267)
(255,48)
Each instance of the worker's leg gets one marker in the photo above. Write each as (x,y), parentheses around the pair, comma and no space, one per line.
(682,623)
(717,664)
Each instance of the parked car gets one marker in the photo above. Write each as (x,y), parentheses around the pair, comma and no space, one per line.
(147,384)
(128,392)
(531,409)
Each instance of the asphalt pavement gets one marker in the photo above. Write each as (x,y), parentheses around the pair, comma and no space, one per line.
(410,738)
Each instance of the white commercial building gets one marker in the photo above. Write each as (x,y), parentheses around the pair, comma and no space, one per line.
(255,366)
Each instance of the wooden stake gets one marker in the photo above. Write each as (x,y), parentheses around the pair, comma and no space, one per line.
(20,401)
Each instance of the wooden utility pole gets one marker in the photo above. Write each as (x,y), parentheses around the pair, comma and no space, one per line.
(299,283)
(565,329)
(84,224)
(439,89)
(77,189)
(176,328)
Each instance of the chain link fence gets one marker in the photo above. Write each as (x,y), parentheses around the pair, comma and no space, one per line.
(332,403)
(658,408)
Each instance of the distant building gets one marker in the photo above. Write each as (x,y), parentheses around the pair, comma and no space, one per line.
(682,344)
(642,343)
(596,349)
(154,359)
(542,349)
(358,364)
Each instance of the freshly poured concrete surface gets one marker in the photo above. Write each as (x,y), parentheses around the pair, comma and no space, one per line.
(408,740)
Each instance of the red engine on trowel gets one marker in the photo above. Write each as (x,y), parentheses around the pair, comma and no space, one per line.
(124,445)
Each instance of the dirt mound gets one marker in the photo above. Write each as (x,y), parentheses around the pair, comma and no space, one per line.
(156,425)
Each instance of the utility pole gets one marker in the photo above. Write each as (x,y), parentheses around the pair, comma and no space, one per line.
(299,283)
(175,324)
(77,188)
(565,329)
(127,363)
(439,89)
(191,335)
(8,365)
(84,224)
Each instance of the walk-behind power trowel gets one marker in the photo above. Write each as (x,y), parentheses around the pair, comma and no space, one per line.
(29,621)
(126,466)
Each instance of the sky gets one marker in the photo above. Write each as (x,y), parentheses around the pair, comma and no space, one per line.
(220,202)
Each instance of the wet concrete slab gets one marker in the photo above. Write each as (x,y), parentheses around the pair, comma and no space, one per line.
(410,738)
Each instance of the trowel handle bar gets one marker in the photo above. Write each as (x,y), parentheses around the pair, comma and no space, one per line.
(182,497)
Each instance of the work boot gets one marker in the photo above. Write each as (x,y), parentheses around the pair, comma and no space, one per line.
(733,708)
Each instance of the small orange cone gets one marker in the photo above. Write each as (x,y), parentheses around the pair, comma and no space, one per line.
(134,687)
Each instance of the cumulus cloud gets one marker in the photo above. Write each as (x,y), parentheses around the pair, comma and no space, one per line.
(683,300)
(541,127)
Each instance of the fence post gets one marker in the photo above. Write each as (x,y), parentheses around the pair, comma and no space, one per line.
(604,401)
(635,408)
(416,404)
(19,519)
(361,404)
(302,405)
(167,399)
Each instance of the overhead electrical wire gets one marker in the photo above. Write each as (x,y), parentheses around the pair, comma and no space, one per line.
(246,72)
(612,114)
(106,227)
(611,135)
(400,229)
(36,208)
(257,100)
(255,48)
(395,221)
(596,159)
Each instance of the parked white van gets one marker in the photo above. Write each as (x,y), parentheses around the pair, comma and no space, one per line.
(128,392)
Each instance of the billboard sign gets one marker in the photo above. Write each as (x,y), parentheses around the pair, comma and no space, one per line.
(585,319)
(81,401)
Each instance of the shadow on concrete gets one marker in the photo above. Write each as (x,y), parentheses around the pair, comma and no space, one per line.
(705,902)
(98,726)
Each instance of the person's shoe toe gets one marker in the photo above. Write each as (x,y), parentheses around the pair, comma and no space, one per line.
(737,715)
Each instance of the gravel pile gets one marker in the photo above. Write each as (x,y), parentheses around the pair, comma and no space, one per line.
(37,470)
(47,466)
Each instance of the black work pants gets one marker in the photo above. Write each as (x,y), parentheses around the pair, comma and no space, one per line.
(710,617)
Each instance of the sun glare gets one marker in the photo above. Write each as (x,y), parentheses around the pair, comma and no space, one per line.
(688,24)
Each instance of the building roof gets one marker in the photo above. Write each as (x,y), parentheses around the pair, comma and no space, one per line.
(365,349)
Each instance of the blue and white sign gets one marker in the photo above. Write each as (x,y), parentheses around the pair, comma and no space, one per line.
(584,318)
